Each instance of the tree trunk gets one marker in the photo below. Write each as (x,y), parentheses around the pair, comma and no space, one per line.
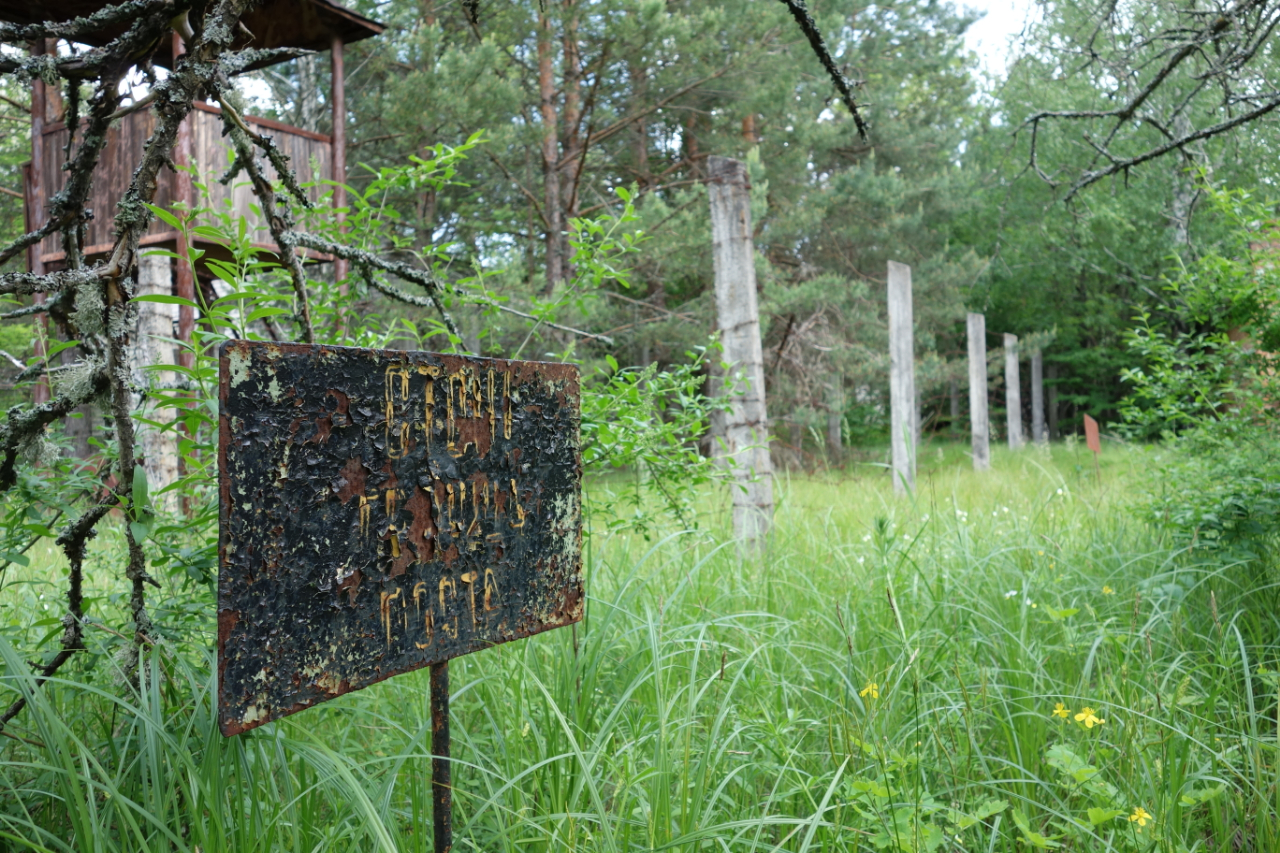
(746,423)
(1012,392)
(979,424)
(1037,398)
(903,418)
(573,153)
(153,347)
(550,157)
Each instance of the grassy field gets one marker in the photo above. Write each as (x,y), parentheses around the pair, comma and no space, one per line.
(884,676)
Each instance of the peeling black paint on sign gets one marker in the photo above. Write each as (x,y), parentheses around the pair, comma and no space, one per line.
(382,511)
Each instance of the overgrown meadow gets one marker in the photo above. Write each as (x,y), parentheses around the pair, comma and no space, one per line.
(1004,662)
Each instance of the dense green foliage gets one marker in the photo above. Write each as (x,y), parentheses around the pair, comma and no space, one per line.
(883,678)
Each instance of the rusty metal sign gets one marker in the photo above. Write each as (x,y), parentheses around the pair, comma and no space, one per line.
(382,511)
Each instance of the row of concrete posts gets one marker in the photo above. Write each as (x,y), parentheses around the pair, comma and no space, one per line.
(904,406)
(745,436)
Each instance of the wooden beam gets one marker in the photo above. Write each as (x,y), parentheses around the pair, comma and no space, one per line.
(338,98)
(39,97)
(183,193)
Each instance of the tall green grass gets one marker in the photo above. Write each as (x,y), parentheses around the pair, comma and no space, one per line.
(882,676)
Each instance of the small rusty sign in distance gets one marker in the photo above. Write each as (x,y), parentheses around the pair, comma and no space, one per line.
(384,510)
(1091,438)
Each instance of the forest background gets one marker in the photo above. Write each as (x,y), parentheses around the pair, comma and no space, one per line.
(575,102)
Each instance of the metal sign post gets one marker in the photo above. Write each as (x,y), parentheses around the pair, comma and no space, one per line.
(383,511)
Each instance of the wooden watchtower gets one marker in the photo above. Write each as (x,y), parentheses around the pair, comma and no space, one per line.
(308,24)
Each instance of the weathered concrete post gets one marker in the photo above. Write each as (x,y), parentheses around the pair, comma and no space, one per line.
(978,421)
(738,318)
(1037,398)
(154,349)
(903,416)
(1012,391)
(835,417)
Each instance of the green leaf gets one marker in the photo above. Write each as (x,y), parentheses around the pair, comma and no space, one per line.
(16,558)
(1035,839)
(165,299)
(1202,795)
(165,216)
(1064,613)
(140,530)
(1098,816)
(56,347)
(141,499)
(259,313)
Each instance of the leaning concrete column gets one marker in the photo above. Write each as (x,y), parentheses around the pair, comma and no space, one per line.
(1012,391)
(978,422)
(1037,398)
(155,349)
(903,417)
(738,318)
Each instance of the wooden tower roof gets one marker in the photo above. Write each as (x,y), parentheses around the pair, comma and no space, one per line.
(307,24)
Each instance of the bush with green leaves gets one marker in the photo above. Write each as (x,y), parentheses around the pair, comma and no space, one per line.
(1203,386)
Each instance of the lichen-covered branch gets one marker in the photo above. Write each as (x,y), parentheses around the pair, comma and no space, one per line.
(105,18)
(427,280)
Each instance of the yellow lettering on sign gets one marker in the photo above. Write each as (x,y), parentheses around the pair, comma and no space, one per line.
(506,405)
(446,583)
(490,589)
(384,607)
(365,512)
(470,580)
(397,391)
(493,423)
(428,622)
(515,500)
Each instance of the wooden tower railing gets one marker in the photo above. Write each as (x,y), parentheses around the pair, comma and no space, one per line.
(310,155)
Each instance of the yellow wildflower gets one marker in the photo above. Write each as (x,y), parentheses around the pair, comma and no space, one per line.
(1061,710)
(1089,718)
(1106,590)
(1040,553)
(872,689)
(1141,817)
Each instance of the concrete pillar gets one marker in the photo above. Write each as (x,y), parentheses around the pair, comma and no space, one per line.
(1052,400)
(979,424)
(903,415)
(1038,434)
(153,347)
(1012,391)
(738,319)
(835,417)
